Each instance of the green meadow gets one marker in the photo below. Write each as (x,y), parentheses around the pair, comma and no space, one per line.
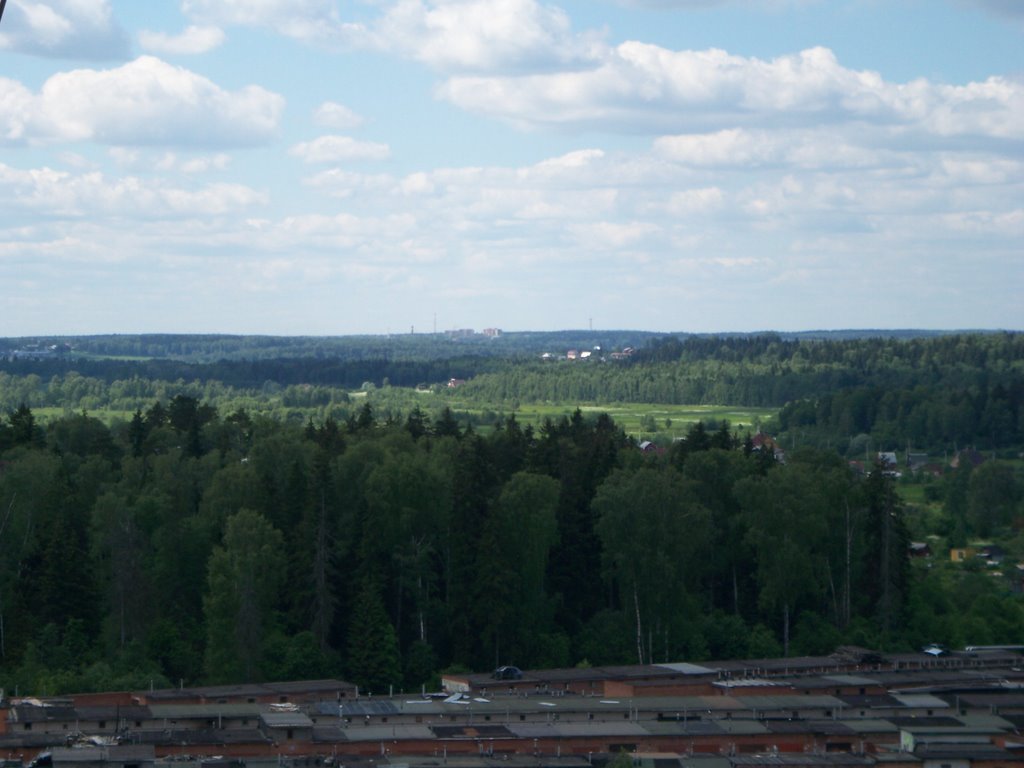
(642,420)
(639,420)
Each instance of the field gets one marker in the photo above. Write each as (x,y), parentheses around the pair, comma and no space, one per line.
(639,420)
(47,414)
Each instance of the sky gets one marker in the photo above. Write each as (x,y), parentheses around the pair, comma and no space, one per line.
(327,167)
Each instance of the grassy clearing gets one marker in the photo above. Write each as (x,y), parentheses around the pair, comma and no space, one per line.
(45,414)
(637,419)
(911,494)
(641,420)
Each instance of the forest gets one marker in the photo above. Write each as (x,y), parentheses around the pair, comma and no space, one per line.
(206,537)
(187,546)
(930,392)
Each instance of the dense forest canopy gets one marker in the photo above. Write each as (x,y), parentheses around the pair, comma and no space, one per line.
(201,537)
(189,545)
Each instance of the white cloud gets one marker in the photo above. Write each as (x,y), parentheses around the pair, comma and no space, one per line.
(16,107)
(168,162)
(571,162)
(341,183)
(744,149)
(91,194)
(646,88)
(196,165)
(335,149)
(312,21)
(961,171)
(143,102)
(1008,224)
(730,147)
(698,4)
(602,221)
(690,201)
(450,35)
(191,41)
(271,13)
(417,184)
(75,160)
(481,35)
(331,114)
(613,235)
(71,29)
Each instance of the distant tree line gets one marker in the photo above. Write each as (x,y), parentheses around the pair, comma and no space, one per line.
(758,370)
(251,374)
(925,417)
(212,348)
(189,545)
(763,370)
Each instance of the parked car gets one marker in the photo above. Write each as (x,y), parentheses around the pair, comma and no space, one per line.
(507,673)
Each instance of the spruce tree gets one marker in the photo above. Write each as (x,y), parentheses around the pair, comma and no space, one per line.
(373,659)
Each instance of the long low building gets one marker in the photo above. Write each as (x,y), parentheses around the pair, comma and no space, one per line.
(853,708)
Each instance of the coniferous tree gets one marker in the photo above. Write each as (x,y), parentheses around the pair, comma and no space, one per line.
(373,659)
(887,569)
(137,433)
(245,576)
(24,430)
(653,530)
(319,525)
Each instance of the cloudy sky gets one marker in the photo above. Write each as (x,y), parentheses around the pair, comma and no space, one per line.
(352,166)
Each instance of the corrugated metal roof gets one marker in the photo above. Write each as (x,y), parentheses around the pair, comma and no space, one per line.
(870,701)
(850,679)
(633,671)
(920,701)
(203,711)
(870,725)
(784,703)
(592,729)
(937,726)
(388,733)
(211,692)
(286,719)
(108,712)
(500,706)
(689,669)
(470,731)
(532,730)
(112,754)
(819,727)
(204,736)
(987,700)
(31,740)
(742,727)
(748,682)
(986,721)
(692,728)
(361,708)
(27,713)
